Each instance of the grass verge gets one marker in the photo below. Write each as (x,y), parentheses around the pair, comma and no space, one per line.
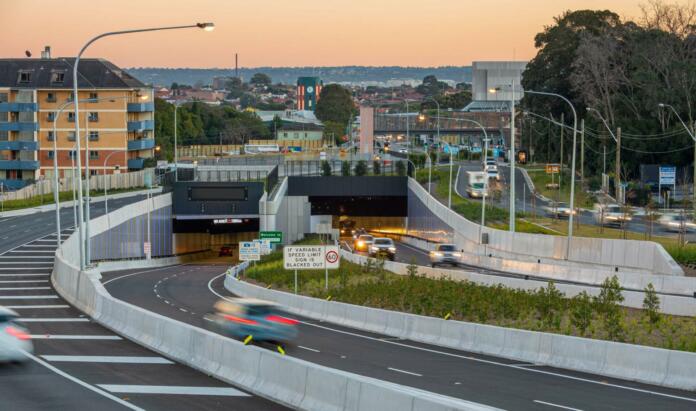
(63,196)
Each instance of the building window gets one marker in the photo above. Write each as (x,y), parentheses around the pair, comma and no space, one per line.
(93,172)
(51,136)
(24,76)
(71,97)
(295,135)
(93,155)
(71,116)
(285,135)
(305,136)
(71,136)
(57,77)
(71,154)
(93,136)
(51,97)
(93,97)
(93,116)
(49,154)
(51,116)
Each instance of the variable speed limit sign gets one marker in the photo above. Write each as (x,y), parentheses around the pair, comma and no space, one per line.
(311,257)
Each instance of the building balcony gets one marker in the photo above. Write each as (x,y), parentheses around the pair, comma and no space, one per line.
(14,184)
(19,145)
(19,126)
(141,107)
(142,144)
(136,163)
(19,165)
(18,107)
(145,125)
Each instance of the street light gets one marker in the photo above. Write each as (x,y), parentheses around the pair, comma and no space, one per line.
(572,168)
(618,149)
(693,137)
(76,99)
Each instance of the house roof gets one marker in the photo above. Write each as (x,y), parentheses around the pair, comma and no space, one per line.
(300,127)
(92,73)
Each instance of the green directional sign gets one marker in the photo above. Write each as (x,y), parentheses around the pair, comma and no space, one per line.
(273,236)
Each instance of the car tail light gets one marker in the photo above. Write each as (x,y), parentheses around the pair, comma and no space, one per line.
(281,320)
(17,333)
(240,320)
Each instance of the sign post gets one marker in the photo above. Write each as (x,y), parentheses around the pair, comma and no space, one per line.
(249,251)
(668,177)
(312,257)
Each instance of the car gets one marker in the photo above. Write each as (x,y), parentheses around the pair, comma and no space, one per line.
(676,223)
(363,242)
(493,174)
(243,317)
(403,150)
(15,341)
(346,227)
(491,163)
(611,214)
(445,254)
(226,249)
(383,246)
(558,210)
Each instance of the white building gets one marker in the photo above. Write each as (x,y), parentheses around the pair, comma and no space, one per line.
(491,75)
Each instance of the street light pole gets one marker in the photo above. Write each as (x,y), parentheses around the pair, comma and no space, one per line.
(438,115)
(176,153)
(76,99)
(617,139)
(693,137)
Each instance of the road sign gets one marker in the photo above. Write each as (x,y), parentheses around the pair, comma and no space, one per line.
(668,176)
(275,237)
(311,257)
(147,248)
(553,168)
(249,251)
(264,246)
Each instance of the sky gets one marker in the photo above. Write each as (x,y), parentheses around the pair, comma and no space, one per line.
(285,33)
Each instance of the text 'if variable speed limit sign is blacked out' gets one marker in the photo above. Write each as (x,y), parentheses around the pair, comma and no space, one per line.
(311,257)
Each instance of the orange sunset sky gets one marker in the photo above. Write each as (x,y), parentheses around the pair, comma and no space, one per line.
(289,33)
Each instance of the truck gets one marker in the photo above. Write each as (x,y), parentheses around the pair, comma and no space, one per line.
(476,184)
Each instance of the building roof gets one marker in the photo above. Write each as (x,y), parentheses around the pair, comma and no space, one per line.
(92,73)
(488,106)
(294,116)
(300,127)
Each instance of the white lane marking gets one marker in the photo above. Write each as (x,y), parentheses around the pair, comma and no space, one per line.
(405,372)
(23,288)
(554,374)
(47,253)
(173,389)
(139,272)
(181,309)
(27,297)
(54,320)
(106,359)
(32,307)
(82,383)
(304,348)
(73,337)
(557,406)
(26,262)
(22,281)
(25,275)
(40,246)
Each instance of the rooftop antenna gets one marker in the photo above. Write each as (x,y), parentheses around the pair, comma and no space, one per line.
(236,66)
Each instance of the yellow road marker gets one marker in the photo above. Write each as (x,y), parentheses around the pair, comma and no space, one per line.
(247,340)
(281,350)
(269,286)
(447,316)
(328,298)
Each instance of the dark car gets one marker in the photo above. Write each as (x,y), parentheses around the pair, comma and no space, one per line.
(227,249)
(243,317)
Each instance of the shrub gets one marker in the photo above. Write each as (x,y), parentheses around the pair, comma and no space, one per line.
(582,312)
(651,305)
(345,168)
(609,296)
(325,168)
(412,268)
(550,305)
(376,167)
(400,168)
(360,168)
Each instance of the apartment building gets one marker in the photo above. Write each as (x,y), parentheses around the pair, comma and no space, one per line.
(116,118)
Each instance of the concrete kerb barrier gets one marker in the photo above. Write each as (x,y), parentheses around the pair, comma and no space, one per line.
(289,381)
(674,369)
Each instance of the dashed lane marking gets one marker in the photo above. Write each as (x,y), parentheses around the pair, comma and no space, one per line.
(73,337)
(550,404)
(54,320)
(173,390)
(405,372)
(106,359)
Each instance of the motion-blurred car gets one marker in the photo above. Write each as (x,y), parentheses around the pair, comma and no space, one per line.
(347,227)
(226,249)
(676,223)
(403,150)
(15,340)
(611,214)
(241,317)
(491,164)
(445,254)
(383,247)
(558,210)
(363,242)
(493,174)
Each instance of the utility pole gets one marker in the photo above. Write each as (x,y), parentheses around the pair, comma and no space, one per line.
(560,170)
(618,163)
(582,152)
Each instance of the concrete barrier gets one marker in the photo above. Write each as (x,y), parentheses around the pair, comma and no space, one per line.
(674,369)
(289,381)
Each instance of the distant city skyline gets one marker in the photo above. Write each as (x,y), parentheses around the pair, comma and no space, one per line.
(286,34)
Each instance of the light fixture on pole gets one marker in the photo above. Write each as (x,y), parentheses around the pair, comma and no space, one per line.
(76,99)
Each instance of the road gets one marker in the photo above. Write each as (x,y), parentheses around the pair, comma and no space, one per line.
(187,292)
(78,364)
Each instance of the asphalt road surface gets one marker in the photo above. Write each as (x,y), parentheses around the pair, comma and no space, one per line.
(78,364)
(187,292)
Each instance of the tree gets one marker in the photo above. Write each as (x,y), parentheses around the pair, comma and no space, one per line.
(431,86)
(360,168)
(400,168)
(260,80)
(651,305)
(582,312)
(376,167)
(325,169)
(335,104)
(333,132)
(345,168)
(248,100)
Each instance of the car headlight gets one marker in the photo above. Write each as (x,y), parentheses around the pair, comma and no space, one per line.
(458,255)
(360,243)
(392,249)
(375,249)
(436,253)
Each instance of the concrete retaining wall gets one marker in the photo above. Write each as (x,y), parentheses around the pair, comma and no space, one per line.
(631,256)
(290,381)
(675,369)
(669,304)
